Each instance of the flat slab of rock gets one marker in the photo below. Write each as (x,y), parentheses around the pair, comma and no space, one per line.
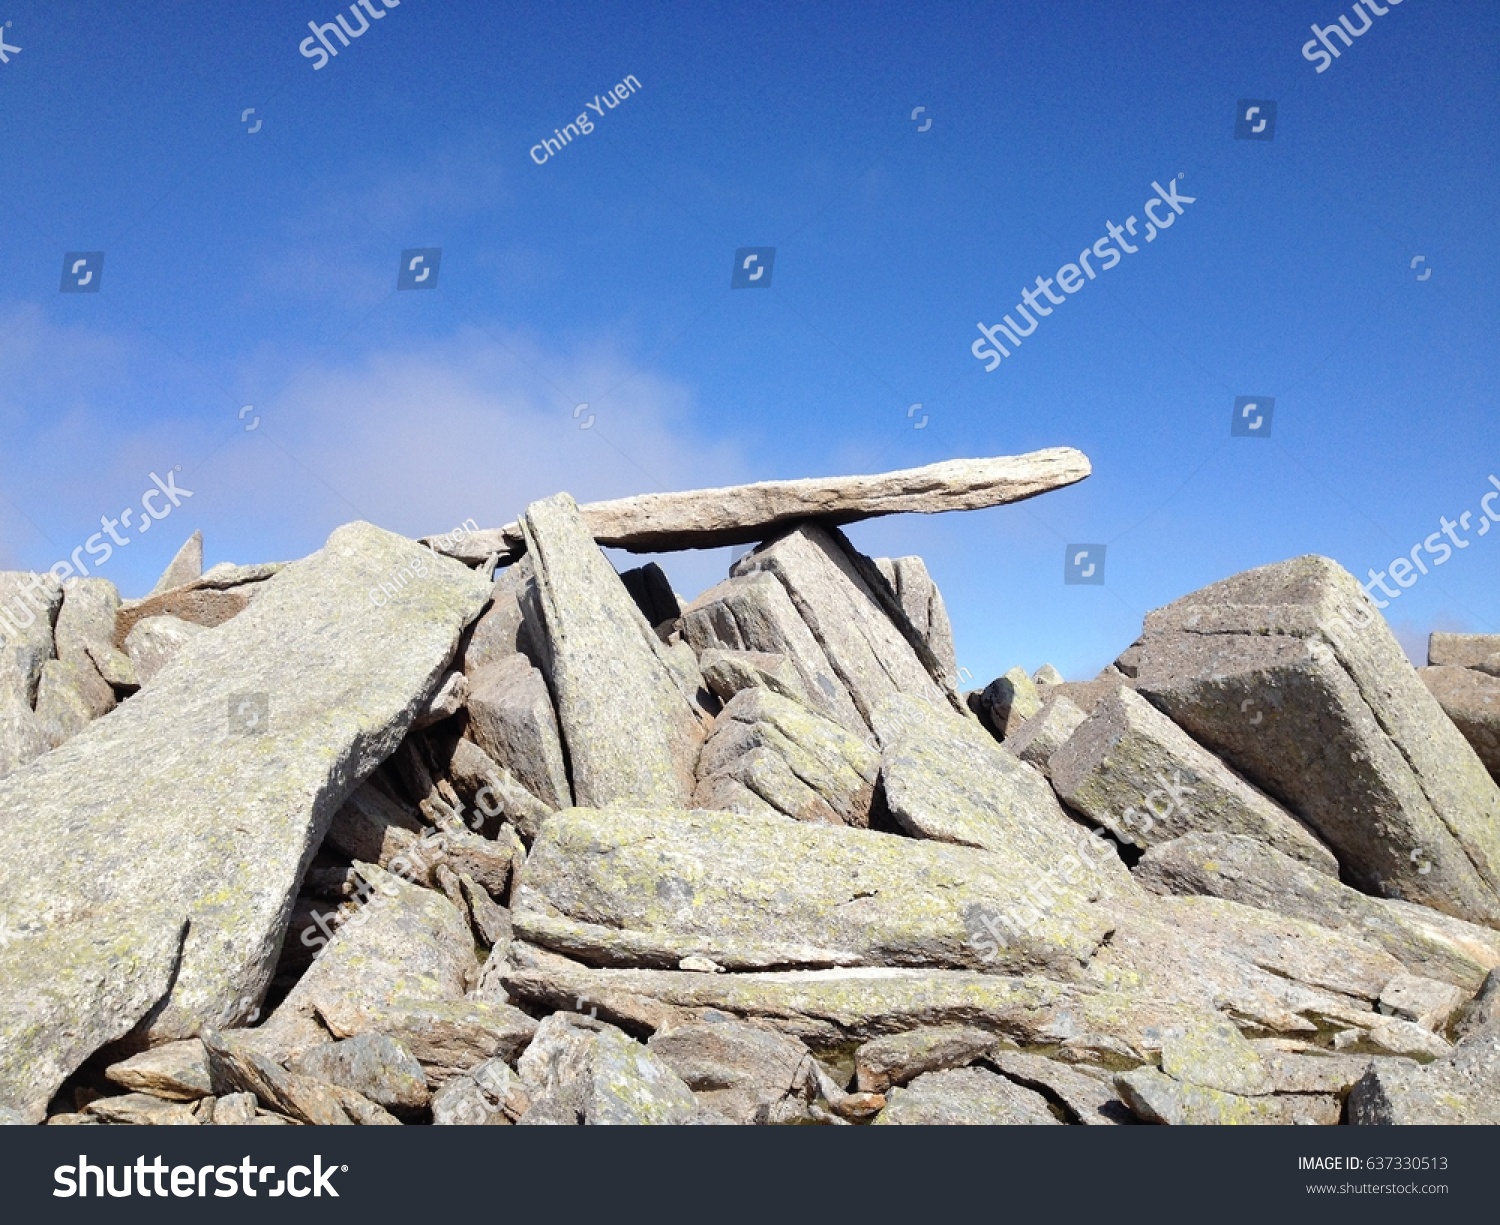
(1158,1098)
(1480,651)
(652,886)
(899,1058)
(965,1096)
(742,514)
(1289,674)
(1470,698)
(71,989)
(1087,1094)
(210,790)
(632,734)
(1135,772)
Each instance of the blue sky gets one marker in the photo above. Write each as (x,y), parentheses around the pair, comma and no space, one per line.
(259,268)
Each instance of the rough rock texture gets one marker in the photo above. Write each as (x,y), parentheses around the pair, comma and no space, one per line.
(73,988)
(741,514)
(923,604)
(1135,772)
(1009,701)
(651,887)
(972,1096)
(1045,732)
(1471,698)
(29,605)
(578,1072)
(222,828)
(511,718)
(631,733)
(768,754)
(1244,870)
(1464,1087)
(154,642)
(727,673)
(202,603)
(1157,1098)
(1349,737)
(1480,651)
(185,566)
(374,1066)
(1087,1095)
(899,1058)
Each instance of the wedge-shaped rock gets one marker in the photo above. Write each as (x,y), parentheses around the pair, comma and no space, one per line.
(579,1072)
(1009,701)
(184,567)
(1462,1088)
(923,604)
(71,988)
(632,734)
(652,886)
(140,1110)
(1244,870)
(946,779)
(966,1096)
(85,631)
(373,1065)
(754,615)
(511,718)
(511,623)
(1158,1098)
(768,754)
(1470,698)
(178,796)
(1347,735)
(741,514)
(866,635)
(1139,775)
(236,1067)
(1045,732)
(403,941)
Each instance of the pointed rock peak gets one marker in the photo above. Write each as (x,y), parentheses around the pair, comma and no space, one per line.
(184,568)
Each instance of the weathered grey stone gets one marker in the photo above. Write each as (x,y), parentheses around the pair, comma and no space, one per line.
(1127,754)
(582,1072)
(72,987)
(154,642)
(511,718)
(924,607)
(1482,1009)
(222,822)
(1244,870)
(141,1110)
(770,754)
(868,640)
(1395,1036)
(86,630)
(651,886)
(69,698)
(1045,732)
(1463,1088)
(632,735)
(175,1072)
(748,1074)
(1429,1003)
(1470,698)
(741,514)
(234,1109)
(184,567)
(945,778)
(1046,676)
(489,920)
(754,614)
(1158,1098)
(899,1058)
(1088,1096)
(488,1094)
(29,606)
(1215,1056)
(403,942)
(1350,738)
(652,592)
(492,788)
(373,1065)
(449,699)
(234,1067)
(1462,650)
(196,603)
(1312,1071)
(1008,701)
(450,1036)
(1088,694)
(511,623)
(373,828)
(728,672)
(965,1096)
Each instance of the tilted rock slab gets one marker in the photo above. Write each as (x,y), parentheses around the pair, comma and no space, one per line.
(1471,698)
(632,734)
(1346,734)
(923,604)
(179,797)
(1135,772)
(653,886)
(742,514)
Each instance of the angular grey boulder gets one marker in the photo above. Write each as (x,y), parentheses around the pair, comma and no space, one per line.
(211,789)
(373,1065)
(1009,701)
(899,1058)
(748,1074)
(923,604)
(1462,1088)
(1347,735)
(184,567)
(153,642)
(1045,732)
(70,988)
(1481,651)
(582,1072)
(1088,1094)
(768,754)
(1135,772)
(653,886)
(728,672)
(511,718)
(632,734)
(1245,870)
(1471,698)
(966,1096)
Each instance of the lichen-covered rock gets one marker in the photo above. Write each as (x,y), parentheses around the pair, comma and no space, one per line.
(1216,1057)
(728,672)
(632,734)
(71,988)
(153,642)
(1138,774)
(373,1065)
(1008,701)
(769,754)
(210,790)
(1462,1088)
(899,1058)
(1245,870)
(1045,732)
(652,886)
(582,1072)
(965,1096)
(1348,737)
(1158,1098)
(1088,1094)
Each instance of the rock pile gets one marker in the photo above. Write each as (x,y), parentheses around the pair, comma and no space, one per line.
(384,836)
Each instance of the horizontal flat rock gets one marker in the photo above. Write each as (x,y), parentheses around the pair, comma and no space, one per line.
(209,791)
(742,514)
(1463,650)
(650,886)
(965,1097)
